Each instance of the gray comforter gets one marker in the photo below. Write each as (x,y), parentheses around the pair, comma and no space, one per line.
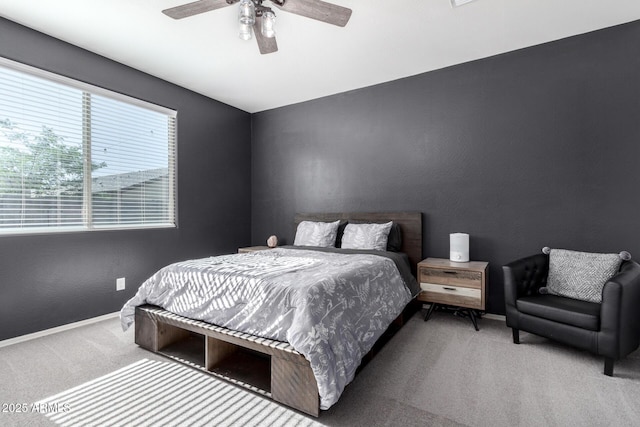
(331,307)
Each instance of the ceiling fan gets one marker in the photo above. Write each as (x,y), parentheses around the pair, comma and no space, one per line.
(258,19)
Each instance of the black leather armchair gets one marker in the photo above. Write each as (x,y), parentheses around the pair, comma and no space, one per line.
(610,329)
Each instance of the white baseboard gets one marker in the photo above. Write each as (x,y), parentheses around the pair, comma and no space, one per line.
(491,316)
(74,325)
(57,329)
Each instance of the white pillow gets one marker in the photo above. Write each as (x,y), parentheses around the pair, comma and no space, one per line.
(322,234)
(366,236)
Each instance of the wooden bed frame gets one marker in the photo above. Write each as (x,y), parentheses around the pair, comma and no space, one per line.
(271,368)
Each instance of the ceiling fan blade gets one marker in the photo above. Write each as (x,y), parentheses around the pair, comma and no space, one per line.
(194,8)
(319,10)
(265,44)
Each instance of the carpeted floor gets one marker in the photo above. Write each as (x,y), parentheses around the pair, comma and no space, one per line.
(152,393)
(440,373)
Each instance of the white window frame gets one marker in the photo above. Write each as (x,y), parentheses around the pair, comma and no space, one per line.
(88,221)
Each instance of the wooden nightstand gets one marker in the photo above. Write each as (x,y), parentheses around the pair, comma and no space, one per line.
(252,249)
(458,284)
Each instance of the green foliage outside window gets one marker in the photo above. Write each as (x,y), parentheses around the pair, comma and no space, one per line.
(44,166)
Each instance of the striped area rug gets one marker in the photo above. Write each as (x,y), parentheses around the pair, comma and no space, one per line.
(159,393)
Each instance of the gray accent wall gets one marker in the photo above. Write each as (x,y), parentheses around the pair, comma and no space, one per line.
(55,279)
(537,147)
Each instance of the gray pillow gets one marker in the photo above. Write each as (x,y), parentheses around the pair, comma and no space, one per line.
(311,233)
(580,275)
(366,236)
(394,243)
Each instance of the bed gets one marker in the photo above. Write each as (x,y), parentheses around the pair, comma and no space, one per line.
(299,320)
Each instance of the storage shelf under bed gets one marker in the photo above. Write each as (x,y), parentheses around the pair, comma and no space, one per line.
(271,368)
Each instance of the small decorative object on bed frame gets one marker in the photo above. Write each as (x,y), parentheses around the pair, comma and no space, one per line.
(271,368)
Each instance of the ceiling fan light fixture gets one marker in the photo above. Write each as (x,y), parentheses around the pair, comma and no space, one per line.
(268,24)
(246,32)
(247,12)
(246,19)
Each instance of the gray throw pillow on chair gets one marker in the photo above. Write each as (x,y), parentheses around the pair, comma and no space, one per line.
(580,275)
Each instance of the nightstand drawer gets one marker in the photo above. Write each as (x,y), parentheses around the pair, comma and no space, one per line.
(451,295)
(451,290)
(472,279)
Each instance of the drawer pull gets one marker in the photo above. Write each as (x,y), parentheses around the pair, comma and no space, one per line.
(449,289)
(450,272)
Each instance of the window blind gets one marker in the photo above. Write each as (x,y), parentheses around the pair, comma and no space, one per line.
(74,156)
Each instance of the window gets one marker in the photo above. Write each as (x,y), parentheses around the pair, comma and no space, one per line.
(78,157)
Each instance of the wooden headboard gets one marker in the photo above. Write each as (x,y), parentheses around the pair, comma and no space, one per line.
(410,224)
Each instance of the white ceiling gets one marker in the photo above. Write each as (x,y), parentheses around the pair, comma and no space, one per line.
(383,41)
